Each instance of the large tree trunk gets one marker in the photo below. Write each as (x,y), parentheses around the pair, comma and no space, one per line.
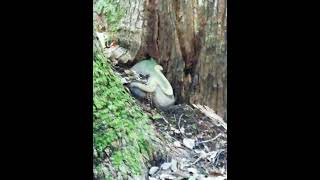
(188,38)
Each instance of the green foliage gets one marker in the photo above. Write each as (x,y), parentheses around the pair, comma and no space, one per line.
(112,11)
(118,123)
(156,116)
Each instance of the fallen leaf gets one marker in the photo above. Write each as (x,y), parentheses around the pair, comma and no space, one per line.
(189,143)
(165,166)
(153,170)
(193,171)
(182,130)
(174,164)
(177,144)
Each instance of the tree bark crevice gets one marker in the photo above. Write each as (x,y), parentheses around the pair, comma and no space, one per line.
(188,39)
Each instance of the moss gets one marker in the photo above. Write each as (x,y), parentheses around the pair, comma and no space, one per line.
(112,13)
(118,123)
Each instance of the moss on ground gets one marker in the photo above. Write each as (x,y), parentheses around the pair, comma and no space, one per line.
(121,131)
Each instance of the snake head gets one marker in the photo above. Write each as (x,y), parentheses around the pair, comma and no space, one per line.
(158,67)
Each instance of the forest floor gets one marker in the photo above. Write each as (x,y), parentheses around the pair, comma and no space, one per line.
(193,141)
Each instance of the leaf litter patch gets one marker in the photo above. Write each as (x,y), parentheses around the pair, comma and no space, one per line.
(195,144)
(193,140)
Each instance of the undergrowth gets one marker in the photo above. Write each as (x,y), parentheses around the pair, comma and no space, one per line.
(119,125)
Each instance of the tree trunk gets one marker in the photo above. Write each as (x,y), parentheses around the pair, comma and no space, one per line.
(188,38)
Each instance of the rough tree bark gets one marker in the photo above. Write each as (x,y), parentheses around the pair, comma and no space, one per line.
(188,38)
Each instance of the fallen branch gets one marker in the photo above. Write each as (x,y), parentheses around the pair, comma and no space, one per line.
(211,139)
(201,157)
(212,115)
(179,121)
(165,120)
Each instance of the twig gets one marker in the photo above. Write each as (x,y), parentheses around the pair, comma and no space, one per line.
(165,119)
(197,160)
(171,137)
(211,139)
(180,173)
(179,121)
(212,115)
(179,125)
(203,156)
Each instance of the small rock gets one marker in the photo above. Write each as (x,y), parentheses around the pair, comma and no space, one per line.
(165,166)
(182,130)
(174,165)
(153,170)
(189,143)
(177,144)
